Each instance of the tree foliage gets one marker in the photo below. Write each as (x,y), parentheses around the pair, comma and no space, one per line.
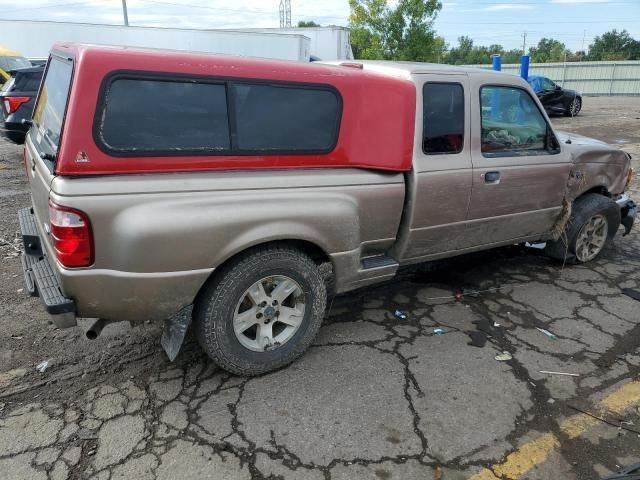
(307,24)
(401,32)
(614,45)
(466,53)
(548,50)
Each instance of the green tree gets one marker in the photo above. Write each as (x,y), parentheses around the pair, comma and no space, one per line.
(401,32)
(462,53)
(614,45)
(307,24)
(466,53)
(549,50)
(512,56)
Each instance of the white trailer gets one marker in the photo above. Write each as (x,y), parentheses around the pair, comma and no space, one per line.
(327,43)
(34,39)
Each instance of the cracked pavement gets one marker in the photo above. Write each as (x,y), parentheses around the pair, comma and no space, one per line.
(375,397)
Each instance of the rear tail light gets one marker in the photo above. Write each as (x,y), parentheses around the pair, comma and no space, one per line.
(71,234)
(13,103)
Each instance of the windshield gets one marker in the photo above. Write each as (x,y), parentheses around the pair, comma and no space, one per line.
(51,104)
(12,63)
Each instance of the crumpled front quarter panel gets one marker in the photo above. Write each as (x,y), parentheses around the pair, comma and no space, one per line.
(597,166)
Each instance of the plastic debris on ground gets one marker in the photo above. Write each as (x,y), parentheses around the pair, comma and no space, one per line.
(629,292)
(484,325)
(478,339)
(400,314)
(560,373)
(42,366)
(631,472)
(503,357)
(547,333)
(438,331)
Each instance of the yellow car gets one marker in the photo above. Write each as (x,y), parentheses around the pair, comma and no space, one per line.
(10,60)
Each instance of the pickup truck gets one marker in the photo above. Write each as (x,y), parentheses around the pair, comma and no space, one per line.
(237,193)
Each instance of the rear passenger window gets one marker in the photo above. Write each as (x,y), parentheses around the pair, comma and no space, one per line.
(155,116)
(443,118)
(285,118)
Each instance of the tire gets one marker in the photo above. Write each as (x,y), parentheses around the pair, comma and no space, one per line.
(574,107)
(590,213)
(229,311)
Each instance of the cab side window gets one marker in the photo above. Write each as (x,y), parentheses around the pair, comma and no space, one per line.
(443,118)
(512,123)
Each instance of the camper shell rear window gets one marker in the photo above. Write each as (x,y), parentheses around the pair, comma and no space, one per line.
(49,112)
(150,114)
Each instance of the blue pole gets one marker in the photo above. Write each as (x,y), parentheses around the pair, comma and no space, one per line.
(524,66)
(497,62)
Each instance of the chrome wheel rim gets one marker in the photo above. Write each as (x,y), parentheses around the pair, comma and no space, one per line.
(269,313)
(575,106)
(591,238)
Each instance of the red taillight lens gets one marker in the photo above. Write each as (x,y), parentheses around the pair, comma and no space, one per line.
(13,103)
(71,234)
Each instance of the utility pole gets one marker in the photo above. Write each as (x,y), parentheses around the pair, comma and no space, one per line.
(285,13)
(524,43)
(124,13)
(584,34)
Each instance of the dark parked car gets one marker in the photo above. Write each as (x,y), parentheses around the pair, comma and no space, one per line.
(17,98)
(554,98)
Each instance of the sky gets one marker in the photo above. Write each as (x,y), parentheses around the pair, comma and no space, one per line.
(574,22)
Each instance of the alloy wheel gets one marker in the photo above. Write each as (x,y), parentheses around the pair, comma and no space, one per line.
(592,238)
(269,313)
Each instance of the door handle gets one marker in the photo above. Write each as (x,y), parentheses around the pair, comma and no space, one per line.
(492,178)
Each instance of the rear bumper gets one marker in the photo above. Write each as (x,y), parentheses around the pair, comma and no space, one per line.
(13,131)
(39,276)
(628,212)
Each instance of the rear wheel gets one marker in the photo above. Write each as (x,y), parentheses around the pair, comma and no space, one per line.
(594,221)
(263,311)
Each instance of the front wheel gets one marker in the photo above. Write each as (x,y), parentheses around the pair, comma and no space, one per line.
(262,311)
(594,221)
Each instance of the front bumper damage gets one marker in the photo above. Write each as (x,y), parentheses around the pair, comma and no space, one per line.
(39,276)
(628,212)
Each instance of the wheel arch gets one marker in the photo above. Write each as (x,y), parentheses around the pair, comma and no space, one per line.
(314,251)
(599,189)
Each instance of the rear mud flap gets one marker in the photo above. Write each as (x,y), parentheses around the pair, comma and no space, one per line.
(175,329)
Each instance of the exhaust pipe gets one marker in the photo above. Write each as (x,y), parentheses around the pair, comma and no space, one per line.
(95,329)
